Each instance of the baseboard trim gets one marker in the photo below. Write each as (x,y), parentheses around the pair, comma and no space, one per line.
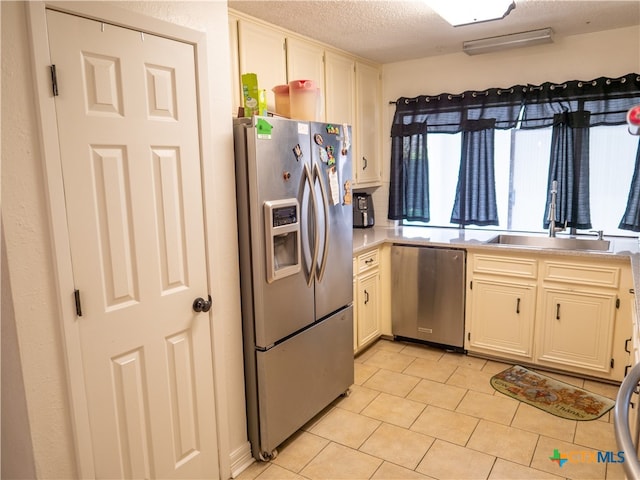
(240,459)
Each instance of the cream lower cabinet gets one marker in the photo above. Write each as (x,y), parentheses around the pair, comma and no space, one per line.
(501,305)
(368,307)
(579,315)
(577,329)
(565,313)
(367,299)
(503,316)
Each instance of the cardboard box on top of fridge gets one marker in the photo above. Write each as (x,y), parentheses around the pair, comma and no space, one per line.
(255,100)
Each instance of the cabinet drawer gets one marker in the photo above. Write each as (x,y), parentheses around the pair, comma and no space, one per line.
(368,260)
(509,266)
(581,274)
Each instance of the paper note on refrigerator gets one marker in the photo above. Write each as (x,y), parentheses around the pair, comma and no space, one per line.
(334,186)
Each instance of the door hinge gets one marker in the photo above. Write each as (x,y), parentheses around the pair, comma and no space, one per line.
(617,303)
(612,362)
(469,336)
(471,285)
(76,294)
(54,80)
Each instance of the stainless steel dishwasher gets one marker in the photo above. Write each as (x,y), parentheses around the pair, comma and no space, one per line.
(427,294)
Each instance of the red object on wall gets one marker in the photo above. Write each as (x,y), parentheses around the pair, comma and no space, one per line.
(633,119)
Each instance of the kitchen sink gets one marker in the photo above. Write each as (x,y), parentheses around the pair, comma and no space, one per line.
(563,243)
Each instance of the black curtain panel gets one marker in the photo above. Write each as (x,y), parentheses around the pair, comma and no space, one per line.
(409,182)
(475,202)
(569,166)
(631,218)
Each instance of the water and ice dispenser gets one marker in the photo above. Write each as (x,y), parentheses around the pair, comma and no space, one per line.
(282,238)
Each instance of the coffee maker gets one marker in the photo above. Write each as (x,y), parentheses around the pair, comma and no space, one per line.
(363,215)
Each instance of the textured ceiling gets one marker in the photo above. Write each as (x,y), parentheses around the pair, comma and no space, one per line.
(388,31)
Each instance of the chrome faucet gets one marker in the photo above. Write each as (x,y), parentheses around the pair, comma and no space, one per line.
(552,211)
(599,233)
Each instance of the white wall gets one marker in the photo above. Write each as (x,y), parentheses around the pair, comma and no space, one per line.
(611,53)
(29,297)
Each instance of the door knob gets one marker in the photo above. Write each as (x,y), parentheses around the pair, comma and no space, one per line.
(202,305)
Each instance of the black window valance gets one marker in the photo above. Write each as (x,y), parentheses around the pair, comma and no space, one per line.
(606,101)
(447,113)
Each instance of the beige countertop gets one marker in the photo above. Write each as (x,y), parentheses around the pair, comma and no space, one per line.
(364,238)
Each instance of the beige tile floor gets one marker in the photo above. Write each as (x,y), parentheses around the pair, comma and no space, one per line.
(419,412)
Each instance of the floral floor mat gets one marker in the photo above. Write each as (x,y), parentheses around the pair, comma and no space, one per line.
(551,395)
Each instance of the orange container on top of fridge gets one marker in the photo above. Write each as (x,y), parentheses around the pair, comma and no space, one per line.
(281,93)
(303,100)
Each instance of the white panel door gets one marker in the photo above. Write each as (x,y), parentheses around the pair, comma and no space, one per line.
(129,147)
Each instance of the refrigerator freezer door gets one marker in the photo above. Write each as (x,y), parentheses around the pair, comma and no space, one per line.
(300,377)
(332,178)
(277,152)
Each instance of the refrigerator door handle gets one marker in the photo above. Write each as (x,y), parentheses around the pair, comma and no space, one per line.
(308,180)
(325,205)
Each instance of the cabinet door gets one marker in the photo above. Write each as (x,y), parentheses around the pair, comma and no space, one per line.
(305,61)
(577,329)
(340,97)
(501,317)
(262,51)
(368,125)
(355,312)
(368,307)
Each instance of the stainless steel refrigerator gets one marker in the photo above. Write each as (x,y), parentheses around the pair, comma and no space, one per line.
(293,181)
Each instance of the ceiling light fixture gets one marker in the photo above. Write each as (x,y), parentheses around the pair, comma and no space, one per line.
(504,42)
(465,12)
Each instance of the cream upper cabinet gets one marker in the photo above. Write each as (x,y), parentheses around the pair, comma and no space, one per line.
(262,51)
(367,159)
(305,61)
(236,90)
(350,89)
(340,98)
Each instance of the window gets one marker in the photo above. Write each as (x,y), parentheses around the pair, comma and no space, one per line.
(521,167)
